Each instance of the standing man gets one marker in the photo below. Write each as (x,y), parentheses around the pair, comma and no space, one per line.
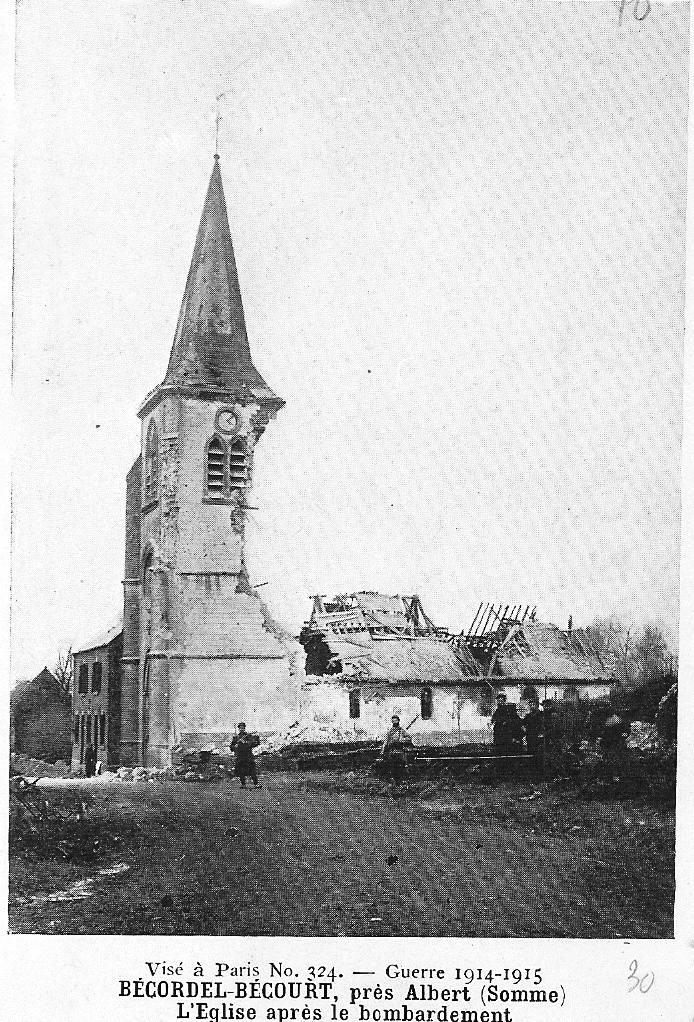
(395,739)
(89,760)
(242,745)
(393,750)
(503,726)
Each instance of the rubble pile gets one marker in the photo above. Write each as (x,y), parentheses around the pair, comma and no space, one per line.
(31,767)
(643,737)
(312,733)
(143,774)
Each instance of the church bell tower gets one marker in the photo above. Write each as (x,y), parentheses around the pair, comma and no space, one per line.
(200,651)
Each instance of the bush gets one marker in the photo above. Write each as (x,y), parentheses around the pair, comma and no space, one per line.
(60,828)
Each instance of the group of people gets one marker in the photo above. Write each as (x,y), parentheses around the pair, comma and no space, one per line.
(511,730)
(512,734)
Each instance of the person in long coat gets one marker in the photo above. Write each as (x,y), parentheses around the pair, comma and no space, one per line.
(242,745)
(89,761)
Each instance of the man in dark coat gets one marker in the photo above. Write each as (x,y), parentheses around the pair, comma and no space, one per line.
(242,746)
(508,730)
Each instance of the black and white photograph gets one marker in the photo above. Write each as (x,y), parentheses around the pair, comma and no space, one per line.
(347,398)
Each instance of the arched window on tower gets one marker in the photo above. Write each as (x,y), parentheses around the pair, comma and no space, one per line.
(214,469)
(238,467)
(83,684)
(151,463)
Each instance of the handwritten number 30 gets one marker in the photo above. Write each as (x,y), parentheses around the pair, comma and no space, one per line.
(642,983)
(642,8)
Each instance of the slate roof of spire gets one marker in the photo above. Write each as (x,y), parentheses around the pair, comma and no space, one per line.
(210,348)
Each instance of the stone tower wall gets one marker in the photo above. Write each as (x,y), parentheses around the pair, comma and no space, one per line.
(130,662)
(206,656)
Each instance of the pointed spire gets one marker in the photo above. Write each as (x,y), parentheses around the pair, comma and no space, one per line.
(210,348)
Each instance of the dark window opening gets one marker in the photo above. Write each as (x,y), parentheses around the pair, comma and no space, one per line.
(102,729)
(89,729)
(83,686)
(237,465)
(427,703)
(215,467)
(77,730)
(355,703)
(96,678)
(530,696)
(151,463)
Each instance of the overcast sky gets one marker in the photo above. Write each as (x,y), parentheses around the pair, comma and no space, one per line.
(459,231)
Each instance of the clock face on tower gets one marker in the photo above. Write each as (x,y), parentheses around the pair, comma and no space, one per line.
(226,420)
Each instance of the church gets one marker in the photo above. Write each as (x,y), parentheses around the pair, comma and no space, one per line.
(198,651)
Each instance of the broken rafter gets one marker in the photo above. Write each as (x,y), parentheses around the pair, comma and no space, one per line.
(470,630)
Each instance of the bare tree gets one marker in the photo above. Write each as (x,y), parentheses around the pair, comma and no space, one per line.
(639,658)
(654,659)
(614,641)
(63,671)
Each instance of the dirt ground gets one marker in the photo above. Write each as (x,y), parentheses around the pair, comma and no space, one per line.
(327,855)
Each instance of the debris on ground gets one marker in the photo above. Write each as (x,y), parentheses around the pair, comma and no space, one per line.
(643,736)
(29,766)
(301,733)
(139,773)
(50,829)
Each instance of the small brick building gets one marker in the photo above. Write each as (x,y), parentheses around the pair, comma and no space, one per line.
(40,719)
(97,696)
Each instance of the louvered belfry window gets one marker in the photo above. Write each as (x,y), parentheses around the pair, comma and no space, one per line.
(215,467)
(151,463)
(238,469)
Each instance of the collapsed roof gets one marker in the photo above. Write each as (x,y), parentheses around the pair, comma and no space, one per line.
(543,652)
(382,638)
(374,637)
(516,646)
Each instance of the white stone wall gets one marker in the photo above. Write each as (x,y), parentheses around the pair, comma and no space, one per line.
(457,712)
(212,696)
(460,714)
